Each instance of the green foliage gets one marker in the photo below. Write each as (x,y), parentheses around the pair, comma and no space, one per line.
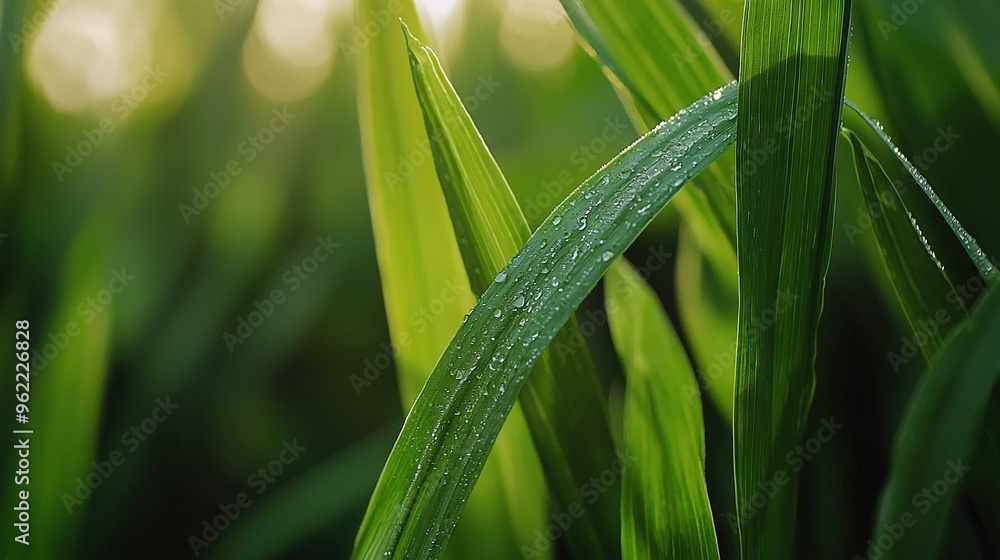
(793,66)
(665,509)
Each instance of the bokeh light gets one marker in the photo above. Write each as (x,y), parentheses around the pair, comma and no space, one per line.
(88,52)
(535,36)
(291,50)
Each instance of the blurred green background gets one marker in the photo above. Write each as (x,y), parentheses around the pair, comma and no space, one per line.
(184,223)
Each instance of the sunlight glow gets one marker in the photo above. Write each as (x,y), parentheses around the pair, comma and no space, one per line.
(290,52)
(535,36)
(88,52)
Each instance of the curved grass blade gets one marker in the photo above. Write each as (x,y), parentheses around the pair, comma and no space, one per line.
(793,66)
(935,441)
(935,299)
(665,508)
(562,398)
(458,414)
(979,258)
(424,282)
(920,285)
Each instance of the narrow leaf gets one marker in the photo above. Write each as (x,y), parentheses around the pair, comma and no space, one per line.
(456,418)
(424,282)
(792,74)
(979,258)
(562,398)
(665,509)
(935,299)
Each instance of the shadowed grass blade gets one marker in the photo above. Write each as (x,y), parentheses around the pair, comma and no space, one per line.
(665,509)
(935,298)
(934,445)
(459,412)
(792,74)
(562,398)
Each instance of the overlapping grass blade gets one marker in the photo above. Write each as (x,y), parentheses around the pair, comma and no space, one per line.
(933,448)
(935,299)
(458,414)
(562,398)
(423,278)
(649,45)
(653,50)
(792,76)
(920,284)
(951,224)
(665,508)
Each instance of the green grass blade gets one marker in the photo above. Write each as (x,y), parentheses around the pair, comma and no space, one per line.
(562,399)
(458,414)
(424,282)
(665,509)
(651,45)
(935,299)
(933,449)
(414,268)
(647,44)
(969,244)
(792,75)
(920,285)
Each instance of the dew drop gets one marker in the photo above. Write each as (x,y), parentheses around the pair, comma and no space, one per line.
(519,301)
(501,277)
(607,256)
(556,220)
